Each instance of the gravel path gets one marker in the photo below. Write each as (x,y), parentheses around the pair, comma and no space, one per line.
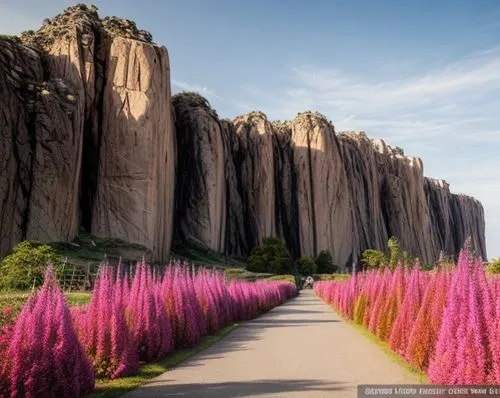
(300,349)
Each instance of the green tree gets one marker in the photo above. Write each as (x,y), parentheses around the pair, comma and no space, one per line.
(372,258)
(324,262)
(272,256)
(306,266)
(26,265)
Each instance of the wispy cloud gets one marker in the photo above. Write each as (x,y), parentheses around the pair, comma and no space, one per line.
(203,90)
(449,117)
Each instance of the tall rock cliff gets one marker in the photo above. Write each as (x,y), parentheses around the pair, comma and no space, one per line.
(254,161)
(364,179)
(201,173)
(324,202)
(91,120)
(87,140)
(40,150)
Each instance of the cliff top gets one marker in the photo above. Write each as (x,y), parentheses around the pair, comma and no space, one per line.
(86,19)
(187,101)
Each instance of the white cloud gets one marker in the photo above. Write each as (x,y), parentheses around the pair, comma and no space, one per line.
(203,90)
(449,117)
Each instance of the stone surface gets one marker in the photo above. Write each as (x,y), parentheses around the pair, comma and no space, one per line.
(40,151)
(136,175)
(364,180)
(254,161)
(324,201)
(95,143)
(285,179)
(404,203)
(201,173)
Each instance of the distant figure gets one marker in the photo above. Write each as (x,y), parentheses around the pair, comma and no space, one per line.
(309,282)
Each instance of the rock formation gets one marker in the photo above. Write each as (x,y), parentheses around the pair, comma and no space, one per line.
(40,151)
(254,160)
(88,141)
(102,128)
(201,173)
(324,202)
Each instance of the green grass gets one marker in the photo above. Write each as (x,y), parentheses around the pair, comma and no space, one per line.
(16,299)
(331,277)
(243,274)
(117,387)
(88,248)
(203,256)
(384,346)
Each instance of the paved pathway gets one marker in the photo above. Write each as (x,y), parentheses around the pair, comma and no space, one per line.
(300,349)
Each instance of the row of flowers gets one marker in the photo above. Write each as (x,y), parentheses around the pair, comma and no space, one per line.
(52,350)
(445,322)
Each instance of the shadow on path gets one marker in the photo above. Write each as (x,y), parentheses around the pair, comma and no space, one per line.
(240,388)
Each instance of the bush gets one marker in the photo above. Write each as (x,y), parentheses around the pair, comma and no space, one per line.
(272,257)
(306,266)
(393,247)
(373,258)
(324,262)
(494,266)
(26,265)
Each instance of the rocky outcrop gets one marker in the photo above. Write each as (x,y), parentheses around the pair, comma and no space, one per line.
(95,139)
(361,162)
(468,221)
(40,151)
(235,239)
(88,141)
(136,175)
(439,202)
(324,202)
(285,181)
(201,173)
(254,162)
(403,200)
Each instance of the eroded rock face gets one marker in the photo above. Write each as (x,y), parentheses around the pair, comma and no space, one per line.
(468,221)
(439,201)
(201,173)
(40,151)
(286,187)
(404,203)
(135,192)
(254,161)
(235,239)
(324,202)
(363,178)
(99,134)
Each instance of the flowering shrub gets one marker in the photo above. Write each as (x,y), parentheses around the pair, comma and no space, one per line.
(44,356)
(446,322)
(51,351)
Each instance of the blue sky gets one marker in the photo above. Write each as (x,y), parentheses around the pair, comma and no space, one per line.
(423,75)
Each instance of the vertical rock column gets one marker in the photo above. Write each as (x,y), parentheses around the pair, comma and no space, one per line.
(201,176)
(135,194)
(324,203)
(468,221)
(404,202)
(438,200)
(255,166)
(361,164)
(286,187)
